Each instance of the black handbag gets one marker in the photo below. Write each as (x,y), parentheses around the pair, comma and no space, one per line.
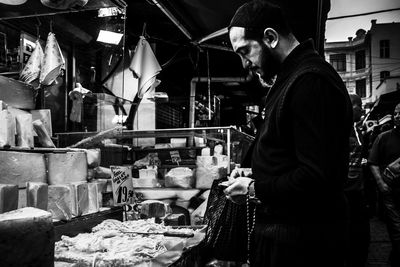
(226,234)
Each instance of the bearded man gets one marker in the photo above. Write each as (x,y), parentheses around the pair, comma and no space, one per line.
(299,157)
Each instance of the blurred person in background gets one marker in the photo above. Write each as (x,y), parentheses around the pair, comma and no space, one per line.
(384,160)
(359,231)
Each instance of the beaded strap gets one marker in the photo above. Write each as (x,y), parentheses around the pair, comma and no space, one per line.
(250,225)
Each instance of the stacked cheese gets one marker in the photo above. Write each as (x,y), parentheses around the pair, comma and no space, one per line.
(147,178)
(74,199)
(181,177)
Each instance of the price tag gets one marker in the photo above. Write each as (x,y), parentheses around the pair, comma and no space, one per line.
(175,157)
(121,179)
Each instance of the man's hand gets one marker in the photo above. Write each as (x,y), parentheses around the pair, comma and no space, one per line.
(237,189)
(383,187)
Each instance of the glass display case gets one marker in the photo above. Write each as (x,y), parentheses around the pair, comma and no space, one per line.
(119,146)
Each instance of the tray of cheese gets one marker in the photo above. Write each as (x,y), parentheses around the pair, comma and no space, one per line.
(114,243)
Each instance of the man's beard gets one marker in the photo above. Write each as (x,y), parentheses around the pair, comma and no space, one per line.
(270,67)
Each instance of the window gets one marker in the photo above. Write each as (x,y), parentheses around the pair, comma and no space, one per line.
(360,59)
(361,88)
(384,75)
(384,48)
(338,61)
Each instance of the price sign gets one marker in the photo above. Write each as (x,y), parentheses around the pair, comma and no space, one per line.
(175,157)
(121,179)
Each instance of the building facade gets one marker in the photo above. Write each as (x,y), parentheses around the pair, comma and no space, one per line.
(369,63)
(385,57)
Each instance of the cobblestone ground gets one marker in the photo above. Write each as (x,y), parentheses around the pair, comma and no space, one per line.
(380,246)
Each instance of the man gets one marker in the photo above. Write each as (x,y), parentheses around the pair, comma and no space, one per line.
(300,155)
(359,236)
(384,164)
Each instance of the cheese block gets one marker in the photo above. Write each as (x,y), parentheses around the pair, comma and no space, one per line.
(205,151)
(145,183)
(24,130)
(148,173)
(7,129)
(101,188)
(16,111)
(45,116)
(66,167)
(218,150)
(93,157)
(175,219)
(204,161)
(180,177)
(27,238)
(93,195)
(21,198)
(152,208)
(37,195)
(43,135)
(8,197)
(3,105)
(80,196)
(60,202)
(20,167)
(206,175)
(102,172)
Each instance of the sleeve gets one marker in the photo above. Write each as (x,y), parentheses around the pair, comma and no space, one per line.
(312,105)
(373,158)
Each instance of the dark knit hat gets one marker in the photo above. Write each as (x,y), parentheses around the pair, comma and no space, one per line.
(258,14)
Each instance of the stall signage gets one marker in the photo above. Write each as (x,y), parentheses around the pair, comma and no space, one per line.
(121,179)
(175,157)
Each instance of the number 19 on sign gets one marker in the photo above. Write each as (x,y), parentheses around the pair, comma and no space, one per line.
(122,184)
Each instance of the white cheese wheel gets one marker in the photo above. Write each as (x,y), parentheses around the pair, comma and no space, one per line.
(20,167)
(67,167)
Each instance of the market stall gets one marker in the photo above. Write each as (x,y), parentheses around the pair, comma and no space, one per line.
(100,164)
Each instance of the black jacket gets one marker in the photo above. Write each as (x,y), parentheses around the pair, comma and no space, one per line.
(300,155)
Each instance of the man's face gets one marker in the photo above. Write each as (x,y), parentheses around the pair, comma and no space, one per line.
(255,55)
(396,116)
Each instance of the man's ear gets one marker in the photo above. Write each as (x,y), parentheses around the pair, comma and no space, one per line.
(271,37)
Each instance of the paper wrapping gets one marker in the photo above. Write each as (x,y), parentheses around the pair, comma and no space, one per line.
(31,71)
(53,62)
(144,66)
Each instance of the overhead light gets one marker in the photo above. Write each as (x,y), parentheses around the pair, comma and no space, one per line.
(109,37)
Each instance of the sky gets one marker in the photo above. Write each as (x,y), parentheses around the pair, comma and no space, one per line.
(341,29)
